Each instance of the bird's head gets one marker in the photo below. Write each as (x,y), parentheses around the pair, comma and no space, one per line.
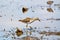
(37,19)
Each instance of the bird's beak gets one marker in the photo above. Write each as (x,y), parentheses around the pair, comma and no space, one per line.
(19,20)
(39,19)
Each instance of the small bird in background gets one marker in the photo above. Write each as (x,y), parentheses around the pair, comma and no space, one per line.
(19,32)
(24,9)
(50,10)
(50,2)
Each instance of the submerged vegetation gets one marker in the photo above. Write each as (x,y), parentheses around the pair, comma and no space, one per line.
(50,33)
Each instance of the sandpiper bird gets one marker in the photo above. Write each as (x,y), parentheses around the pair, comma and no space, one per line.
(29,20)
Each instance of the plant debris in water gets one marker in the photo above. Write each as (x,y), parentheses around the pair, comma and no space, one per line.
(30,38)
(50,2)
(0,16)
(50,10)
(24,9)
(19,32)
(50,33)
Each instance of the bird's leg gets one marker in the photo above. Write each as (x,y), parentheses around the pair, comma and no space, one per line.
(26,29)
(27,25)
